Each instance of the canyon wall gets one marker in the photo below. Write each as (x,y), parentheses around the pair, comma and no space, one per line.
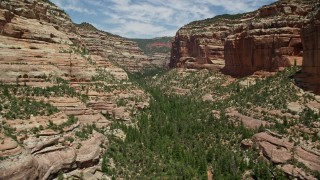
(267,39)
(60,80)
(19,17)
(200,44)
(310,72)
(271,41)
(119,50)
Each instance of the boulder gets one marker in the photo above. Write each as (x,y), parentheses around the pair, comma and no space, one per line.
(90,151)
(281,151)
(53,162)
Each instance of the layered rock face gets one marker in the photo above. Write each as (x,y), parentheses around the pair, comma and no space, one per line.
(271,41)
(115,48)
(42,61)
(43,12)
(282,152)
(266,39)
(311,54)
(35,43)
(199,45)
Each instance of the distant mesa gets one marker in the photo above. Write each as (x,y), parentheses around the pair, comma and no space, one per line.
(155,45)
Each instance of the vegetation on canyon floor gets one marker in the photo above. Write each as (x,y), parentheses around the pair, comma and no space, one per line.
(179,137)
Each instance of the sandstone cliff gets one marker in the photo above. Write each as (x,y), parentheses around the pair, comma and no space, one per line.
(121,51)
(266,39)
(20,19)
(55,95)
(310,72)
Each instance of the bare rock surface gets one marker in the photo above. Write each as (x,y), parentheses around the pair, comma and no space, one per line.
(267,39)
(52,162)
(90,151)
(247,121)
(22,167)
(115,48)
(9,147)
(72,73)
(309,78)
(282,151)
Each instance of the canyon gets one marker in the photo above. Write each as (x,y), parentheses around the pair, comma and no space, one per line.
(77,102)
(158,49)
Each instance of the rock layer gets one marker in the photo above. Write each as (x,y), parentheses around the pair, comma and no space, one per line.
(281,151)
(311,54)
(40,49)
(22,167)
(267,39)
(192,48)
(119,50)
(41,10)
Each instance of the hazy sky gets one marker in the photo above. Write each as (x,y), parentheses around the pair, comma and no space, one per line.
(150,18)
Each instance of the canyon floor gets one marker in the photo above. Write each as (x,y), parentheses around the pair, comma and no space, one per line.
(190,123)
(206,124)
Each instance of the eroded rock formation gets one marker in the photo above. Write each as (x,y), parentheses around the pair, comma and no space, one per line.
(266,39)
(269,42)
(121,51)
(46,61)
(198,46)
(309,77)
(282,152)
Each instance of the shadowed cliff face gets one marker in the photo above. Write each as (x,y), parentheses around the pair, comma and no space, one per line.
(267,39)
(310,73)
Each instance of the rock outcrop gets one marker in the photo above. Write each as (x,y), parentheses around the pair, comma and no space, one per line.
(36,43)
(22,167)
(281,151)
(119,50)
(42,11)
(44,60)
(310,73)
(267,39)
(199,45)
(269,42)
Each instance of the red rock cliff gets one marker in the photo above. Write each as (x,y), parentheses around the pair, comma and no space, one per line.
(269,42)
(311,53)
(266,39)
(200,44)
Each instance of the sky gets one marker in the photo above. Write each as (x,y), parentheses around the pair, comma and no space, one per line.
(151,18)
